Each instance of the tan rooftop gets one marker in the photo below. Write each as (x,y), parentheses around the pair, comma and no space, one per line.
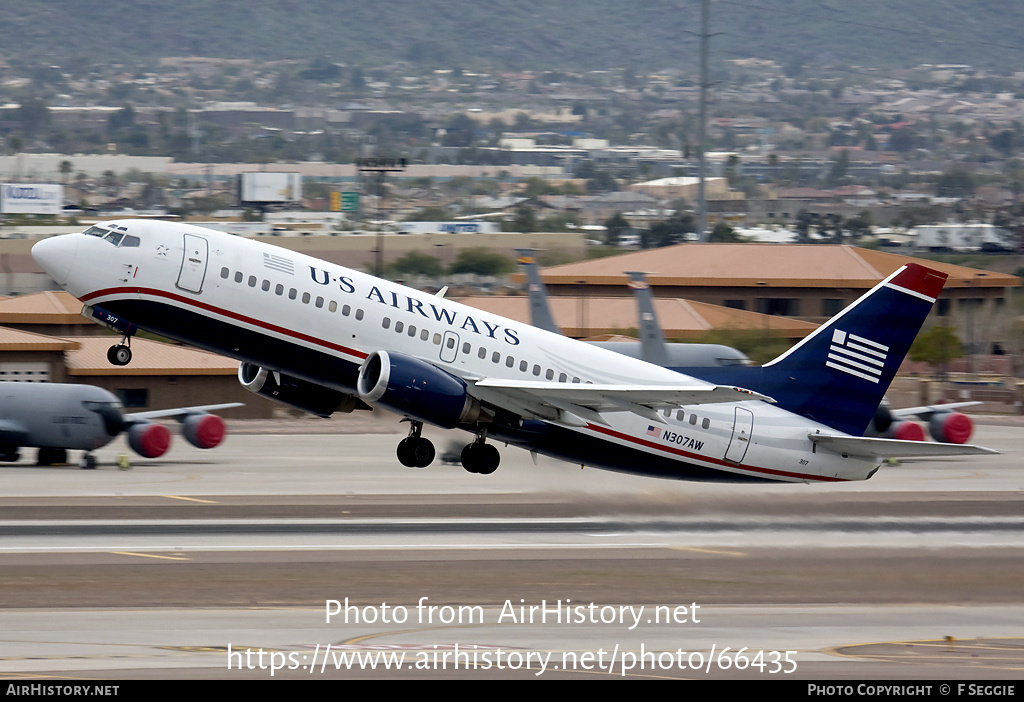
(15,340)
(42,308)
(777,265)
(149,358)
(680,319)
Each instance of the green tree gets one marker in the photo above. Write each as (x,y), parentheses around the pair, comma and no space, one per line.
(417,263)
(482,262)
(937,347)
(615,226)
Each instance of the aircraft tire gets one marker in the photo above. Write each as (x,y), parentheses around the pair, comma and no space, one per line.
(480,458)
(119,355)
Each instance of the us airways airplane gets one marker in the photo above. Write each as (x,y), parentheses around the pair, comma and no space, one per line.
(326,338)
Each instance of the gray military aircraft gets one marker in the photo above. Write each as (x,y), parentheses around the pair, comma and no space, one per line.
(55,417)
(652,346)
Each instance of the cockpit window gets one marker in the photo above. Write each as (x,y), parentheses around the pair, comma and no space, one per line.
(113,236)
(95,405)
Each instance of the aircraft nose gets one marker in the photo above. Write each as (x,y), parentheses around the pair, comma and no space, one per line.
(56,255)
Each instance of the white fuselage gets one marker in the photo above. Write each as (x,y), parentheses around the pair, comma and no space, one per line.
(319,321)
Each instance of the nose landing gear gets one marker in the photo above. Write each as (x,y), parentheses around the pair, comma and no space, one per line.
(120,354)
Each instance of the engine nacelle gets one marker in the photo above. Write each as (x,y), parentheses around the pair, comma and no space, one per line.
(301,394)
(417,389)
(149,440)
(951,427)
(905,430)
(203,430)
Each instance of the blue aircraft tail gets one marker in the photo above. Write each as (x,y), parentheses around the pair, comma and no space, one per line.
(838,374)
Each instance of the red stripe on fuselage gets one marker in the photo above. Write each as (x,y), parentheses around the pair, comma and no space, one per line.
(284,331)
(695,456)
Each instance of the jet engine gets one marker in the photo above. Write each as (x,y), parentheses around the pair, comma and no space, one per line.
(301,394)
(905,430)
(950,427)
(149,440)
(417,389)
(203,430)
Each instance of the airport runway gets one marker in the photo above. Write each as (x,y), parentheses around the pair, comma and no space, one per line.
(224,564)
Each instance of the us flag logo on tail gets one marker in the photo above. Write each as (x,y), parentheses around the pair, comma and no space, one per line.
(857,356)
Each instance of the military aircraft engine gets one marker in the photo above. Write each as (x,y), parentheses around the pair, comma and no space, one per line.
(203,431)
(149,440)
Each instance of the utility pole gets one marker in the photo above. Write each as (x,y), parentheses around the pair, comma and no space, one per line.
(702,204)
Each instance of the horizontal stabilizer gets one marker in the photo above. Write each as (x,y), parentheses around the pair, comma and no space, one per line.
(871,447)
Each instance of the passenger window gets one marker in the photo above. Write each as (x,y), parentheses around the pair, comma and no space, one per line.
(386,322)
(467,347)
(706,423)
(412,330)
(265,286)
(238,276)
(680,415)
(224,273)
(482,353)
(279,290)
(319,302)
(252,281)
(536,370)
(549,374)
(359,314)
(399,326)
(495,357)
(305,298)
(523,365)
(424,335)
(437,339)
(292,293)
(693,419)
(509,362)
(562,377)
(451,343)
(333,307)
(345,310)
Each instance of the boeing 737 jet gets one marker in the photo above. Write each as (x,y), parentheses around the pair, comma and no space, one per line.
(55,417)
(327,338)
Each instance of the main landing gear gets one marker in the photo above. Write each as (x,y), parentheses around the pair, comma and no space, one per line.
(415,451)
(121,354)
(479,457)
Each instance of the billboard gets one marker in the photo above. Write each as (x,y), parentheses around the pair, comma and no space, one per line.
(271,187)
(31,198)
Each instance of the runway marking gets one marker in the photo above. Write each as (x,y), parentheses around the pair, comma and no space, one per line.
(191,499)
(717,552)
(151,555)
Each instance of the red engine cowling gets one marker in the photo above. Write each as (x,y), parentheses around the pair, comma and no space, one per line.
(203,431)
(907,431)
(149,440)
(951,427)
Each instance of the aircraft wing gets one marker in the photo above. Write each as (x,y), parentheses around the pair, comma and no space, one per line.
(871,447)
(589,400)
(177,412)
